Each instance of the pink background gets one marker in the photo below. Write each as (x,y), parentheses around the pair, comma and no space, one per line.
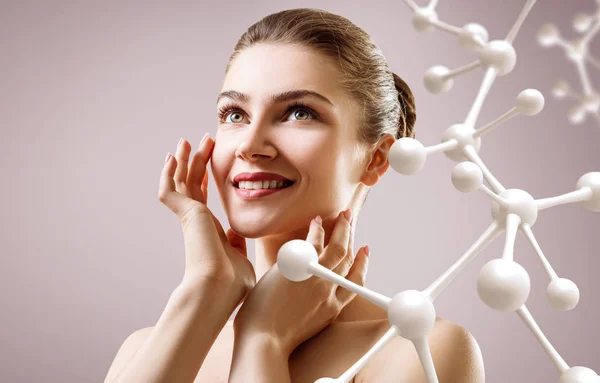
(94,94)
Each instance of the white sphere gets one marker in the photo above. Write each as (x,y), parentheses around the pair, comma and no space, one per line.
(434,79)
(499,54)
(293,259)
(467,177)
(548,35)
(560,89)
(592,181)
(422,18)
(530,102)
(576,114)
(503,285)
(413,313)
(407,156)
(520,203)
(464,135)
(579,374)
(582,22)
(562,294)
(470,35)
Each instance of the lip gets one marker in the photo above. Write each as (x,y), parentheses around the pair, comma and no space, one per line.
(258,193)
(259,176)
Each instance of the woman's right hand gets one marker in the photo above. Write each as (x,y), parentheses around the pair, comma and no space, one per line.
(211,255)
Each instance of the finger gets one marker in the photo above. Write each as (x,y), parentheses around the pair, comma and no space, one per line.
(344,266)
(237,241)
(166,189)
(182,155)
(316,234)
(357,274)
(336,249)
(198,176)
(204,187)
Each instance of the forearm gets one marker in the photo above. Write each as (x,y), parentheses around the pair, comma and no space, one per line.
(258,359)
(179,342)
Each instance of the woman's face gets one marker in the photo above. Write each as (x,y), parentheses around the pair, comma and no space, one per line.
(313,145)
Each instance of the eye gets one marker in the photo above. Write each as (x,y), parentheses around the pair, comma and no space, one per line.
(236,114)
(301,111)
(230,110)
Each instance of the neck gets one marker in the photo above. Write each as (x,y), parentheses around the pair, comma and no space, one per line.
(266,248)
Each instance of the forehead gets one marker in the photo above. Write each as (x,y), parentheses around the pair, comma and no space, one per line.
(266,69)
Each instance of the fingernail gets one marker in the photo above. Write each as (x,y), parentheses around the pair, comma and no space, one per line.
(204,139)
(179,142)
(348,215)
(319,220)
(167,157)
(367,250)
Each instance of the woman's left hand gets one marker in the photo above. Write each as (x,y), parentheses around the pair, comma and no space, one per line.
(288,313)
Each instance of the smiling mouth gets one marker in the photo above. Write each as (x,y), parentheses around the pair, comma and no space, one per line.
(286,184)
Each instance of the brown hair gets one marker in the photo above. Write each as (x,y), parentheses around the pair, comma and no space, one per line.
(388,104)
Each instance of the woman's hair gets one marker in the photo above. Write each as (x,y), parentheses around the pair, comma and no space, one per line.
(388,105)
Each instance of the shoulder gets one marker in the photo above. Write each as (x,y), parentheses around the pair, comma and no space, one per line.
(455,353)
(127,350)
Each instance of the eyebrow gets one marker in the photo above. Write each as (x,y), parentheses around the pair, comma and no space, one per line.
(275,98)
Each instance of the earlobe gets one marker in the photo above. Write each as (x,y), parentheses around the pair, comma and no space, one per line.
(375,169)
(379,163)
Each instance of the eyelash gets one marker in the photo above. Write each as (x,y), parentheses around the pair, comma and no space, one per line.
(225,109)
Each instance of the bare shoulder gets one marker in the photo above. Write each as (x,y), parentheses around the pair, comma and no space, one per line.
(127,350)
(455,353)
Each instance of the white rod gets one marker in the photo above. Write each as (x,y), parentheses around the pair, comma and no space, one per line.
(446,27)
(585,79)
(486,84)
(411,4)
(481,243)
(499,200)
(323,272)
(353,370)
(517,25)
(590,34)
(558,361)
(472,155)
(442,147)
(505,117)
(512,226)
(462,69)
(531,238)
(593,61)
(422,347)
(581,194)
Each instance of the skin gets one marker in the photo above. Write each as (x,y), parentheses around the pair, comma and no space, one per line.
(322,156)
(332,171)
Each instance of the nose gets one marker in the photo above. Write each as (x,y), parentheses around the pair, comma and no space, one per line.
(255,145)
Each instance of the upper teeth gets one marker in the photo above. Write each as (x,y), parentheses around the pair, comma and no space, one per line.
(261,184)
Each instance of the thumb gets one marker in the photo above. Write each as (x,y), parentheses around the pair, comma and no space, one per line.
(237,241)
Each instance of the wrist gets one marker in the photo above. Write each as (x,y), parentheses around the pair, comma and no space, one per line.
(259,340)
(214,295)
(258,357)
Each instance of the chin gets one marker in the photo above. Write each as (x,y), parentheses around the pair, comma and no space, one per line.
(250,231)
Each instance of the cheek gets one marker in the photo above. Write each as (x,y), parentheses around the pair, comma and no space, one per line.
(316,149)
(219,163)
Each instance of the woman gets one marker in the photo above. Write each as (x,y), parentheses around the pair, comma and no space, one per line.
(307,114)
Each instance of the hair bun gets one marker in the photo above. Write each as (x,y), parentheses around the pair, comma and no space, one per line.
(408,114)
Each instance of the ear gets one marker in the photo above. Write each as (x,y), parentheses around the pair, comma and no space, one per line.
(378,161)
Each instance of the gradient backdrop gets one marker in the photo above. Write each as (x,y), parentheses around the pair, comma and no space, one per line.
(94,94)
